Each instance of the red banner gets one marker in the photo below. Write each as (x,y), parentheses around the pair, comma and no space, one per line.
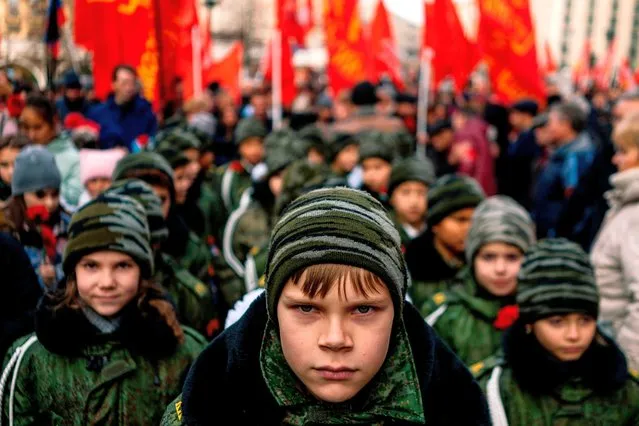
(345,44)
(227,71)
(550,66)
(123,34)
(604,68)
(453,54)
(581,70)
(507,41)
(382,44)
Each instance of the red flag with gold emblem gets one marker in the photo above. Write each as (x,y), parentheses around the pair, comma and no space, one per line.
(507,40)
(345,44)
(123,34)
(227,71)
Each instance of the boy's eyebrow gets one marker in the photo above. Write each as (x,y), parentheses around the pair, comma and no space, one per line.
(357,301)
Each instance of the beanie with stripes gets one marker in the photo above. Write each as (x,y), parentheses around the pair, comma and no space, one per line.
(452,193)
(499,219)
(556,278)
(339,226)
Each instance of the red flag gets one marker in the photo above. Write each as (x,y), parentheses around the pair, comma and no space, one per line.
(581,70)
(453,54)
(603,69)
(626,76)
(287,21)
(345,44)
(382,44)
(124,34)
(637,75)
(305,16)
(207,48)
(507,40)
(289,91)
(550,65)
(227,71)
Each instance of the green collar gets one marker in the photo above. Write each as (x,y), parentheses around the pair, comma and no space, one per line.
(60,144)
(467,293)
(394,394)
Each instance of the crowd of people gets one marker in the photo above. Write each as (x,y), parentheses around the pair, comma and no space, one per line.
(203,264)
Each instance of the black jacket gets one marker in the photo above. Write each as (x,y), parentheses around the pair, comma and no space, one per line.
(225,384)
(20,292)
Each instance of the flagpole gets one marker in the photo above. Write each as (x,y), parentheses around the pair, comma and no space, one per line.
(422,100)
(277,79)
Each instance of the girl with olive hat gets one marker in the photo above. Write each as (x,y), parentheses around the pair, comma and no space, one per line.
(556,366)
(108,348)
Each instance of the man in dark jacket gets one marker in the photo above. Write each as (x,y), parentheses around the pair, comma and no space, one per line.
(73,99)
(20,292)
(125,110)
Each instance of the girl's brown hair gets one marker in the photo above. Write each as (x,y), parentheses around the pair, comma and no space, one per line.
(318,280)
(149,293)
(627,131)
(14,141)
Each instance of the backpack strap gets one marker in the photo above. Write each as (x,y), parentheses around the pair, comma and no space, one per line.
(13,365)
(493,395)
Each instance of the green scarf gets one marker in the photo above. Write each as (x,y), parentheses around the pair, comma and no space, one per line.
(394,393)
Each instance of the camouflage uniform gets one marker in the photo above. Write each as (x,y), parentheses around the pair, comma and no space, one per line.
(235,177)
(464,319)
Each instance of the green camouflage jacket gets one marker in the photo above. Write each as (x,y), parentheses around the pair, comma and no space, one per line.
(192,298)
(197,258)
(572,403)
(248,228)
(212,207)
(103,381)
(464,320)
(232,180)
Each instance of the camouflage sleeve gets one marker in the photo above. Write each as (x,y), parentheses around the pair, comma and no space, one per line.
(173,413)
(25,406)
(231,286)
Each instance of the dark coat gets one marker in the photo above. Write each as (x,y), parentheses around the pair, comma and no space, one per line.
(225,385)
(130,121)
(20,292)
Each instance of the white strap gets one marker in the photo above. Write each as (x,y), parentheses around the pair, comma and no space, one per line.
(250,274)
(495,404)
(227,180)
(15,361)
(229,229)
(432,318)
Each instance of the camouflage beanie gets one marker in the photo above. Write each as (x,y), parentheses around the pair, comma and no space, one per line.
(499,219)
(143,193)
(175,157)
(110,222)
(313,138)
(301,177)
(336,225)
(277,160)
(133,165)
(179,139)
(338,142)
(452,193)
(411,169)
(249,128)
(556,278)
(375,144)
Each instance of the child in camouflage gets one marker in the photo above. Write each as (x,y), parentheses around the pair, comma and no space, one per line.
(331,341)
(556,367)
(108,348)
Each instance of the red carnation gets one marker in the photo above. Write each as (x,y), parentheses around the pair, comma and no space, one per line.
(506,317)
(38,214)
(15,105)
(236,166)
(143,140)
(49,241)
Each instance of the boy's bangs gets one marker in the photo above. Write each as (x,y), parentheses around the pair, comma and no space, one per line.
(318,280)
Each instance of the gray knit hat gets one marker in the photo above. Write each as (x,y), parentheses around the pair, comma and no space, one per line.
(499,219)
(338,142)
(452,193)
(35,169)
(249,128)
(143,193)
(335,225)
(411,169)
(556,278)
(110,222)
(375,144)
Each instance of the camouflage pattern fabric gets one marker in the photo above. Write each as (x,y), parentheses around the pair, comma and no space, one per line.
(394,394)
(130,390)
(249,128)
(466,325)
(230,182)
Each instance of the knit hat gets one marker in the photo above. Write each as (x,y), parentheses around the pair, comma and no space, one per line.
(499,219)
(411,169)
(249,128)
(556,278)
(452,193)
(177,138)
(97,163)
(338,142)
(35,169)
(336,225)
(141,192)
(144,162)
(439,127)
(526,106)
(204,122)
(375,144)
(301,177)
(173,155)
(110,222)
(364,94)
(312,138)
(277,160)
